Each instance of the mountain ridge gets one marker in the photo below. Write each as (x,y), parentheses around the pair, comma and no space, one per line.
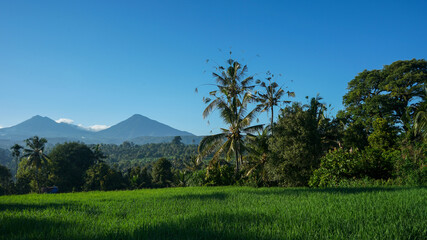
(134,127)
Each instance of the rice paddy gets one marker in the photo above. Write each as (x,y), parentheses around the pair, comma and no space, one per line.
(218,213)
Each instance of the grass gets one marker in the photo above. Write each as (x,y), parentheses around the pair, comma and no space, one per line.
(219,213)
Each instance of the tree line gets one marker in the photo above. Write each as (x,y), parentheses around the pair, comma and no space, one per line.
(379,138)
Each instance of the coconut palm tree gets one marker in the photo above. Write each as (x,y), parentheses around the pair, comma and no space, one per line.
(16,153)
(232,86)
(271,97)
(35,155)
(231,99)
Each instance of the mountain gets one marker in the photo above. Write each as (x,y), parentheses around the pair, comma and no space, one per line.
(138,126)
(44,127)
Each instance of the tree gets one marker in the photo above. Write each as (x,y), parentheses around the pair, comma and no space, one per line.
(35,156)
(383,136)
(272,96)
(16,153)
(162,173)
(139,178)
(177,140)
(5,180)
(392,93)
(101,177)
(231,99)
(98,154)
(70,161)
(303,135)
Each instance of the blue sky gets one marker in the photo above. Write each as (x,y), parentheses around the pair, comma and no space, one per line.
(99,62)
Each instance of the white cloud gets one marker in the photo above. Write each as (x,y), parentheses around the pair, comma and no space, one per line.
(97,128)
(94,128)
(1,126)
(64,120)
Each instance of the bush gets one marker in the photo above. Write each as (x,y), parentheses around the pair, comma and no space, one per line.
(340,166)
(334,167)
(139,178)
(197,178)
(411,167)
(101,177)
(220,174)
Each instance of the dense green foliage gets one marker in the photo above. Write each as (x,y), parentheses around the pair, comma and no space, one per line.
(218,213)
(162,173)
(341,165)
(6,158)
(394,93)
(128,154)
(100,176)
(69,163)
(5,180)
(303,134)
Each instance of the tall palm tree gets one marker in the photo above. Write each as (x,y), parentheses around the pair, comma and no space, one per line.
(272,96)
(35,155)
(16,153)
(231,99)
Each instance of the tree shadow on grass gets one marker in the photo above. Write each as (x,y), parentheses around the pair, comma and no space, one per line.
(72,207)
(15,227)
(207,226)
(306,191)
(204,226)
(200,196)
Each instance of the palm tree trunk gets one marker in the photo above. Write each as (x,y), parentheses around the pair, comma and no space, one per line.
(16,168)
(272,120)
(37,180)
(236,152)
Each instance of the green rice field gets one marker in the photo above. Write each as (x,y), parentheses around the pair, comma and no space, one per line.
(219,213)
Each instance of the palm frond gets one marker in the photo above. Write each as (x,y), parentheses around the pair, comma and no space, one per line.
(247,81)
(210,107)
(210,141)
(253,129)
(246,121)
(224,148)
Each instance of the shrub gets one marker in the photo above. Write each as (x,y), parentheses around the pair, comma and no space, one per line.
(101,177)
(340,164)
(219,174)
(197,178)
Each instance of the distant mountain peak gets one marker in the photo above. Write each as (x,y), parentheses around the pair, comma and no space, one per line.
(138,116)
(138,125)
(39,117)
(135,126)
